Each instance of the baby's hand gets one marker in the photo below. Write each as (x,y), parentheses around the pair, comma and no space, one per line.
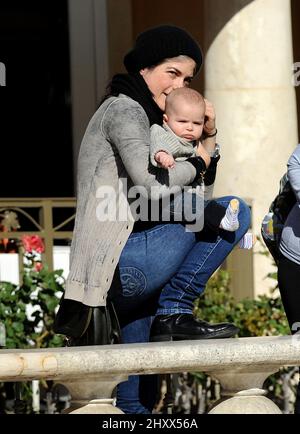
(164,159)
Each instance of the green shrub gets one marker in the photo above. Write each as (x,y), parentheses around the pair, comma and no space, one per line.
(42,289)
(263,316)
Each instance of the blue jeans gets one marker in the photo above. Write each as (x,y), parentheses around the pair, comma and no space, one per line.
(162,271)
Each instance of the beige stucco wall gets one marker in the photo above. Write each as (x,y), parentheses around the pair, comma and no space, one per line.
(248,76)
(295,12)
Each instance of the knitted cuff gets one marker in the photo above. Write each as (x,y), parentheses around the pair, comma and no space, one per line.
(199,165)
(210,174)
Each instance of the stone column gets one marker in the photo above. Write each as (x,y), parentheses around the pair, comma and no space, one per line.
(248,77)
(89,69)
(93,396)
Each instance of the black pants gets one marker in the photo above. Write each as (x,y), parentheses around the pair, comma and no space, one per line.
(289,286)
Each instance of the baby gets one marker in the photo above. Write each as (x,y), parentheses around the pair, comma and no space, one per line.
(179,138)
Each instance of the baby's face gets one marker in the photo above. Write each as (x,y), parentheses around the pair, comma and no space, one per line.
(186,120)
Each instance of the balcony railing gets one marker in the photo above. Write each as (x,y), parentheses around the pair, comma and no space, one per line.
(91,373)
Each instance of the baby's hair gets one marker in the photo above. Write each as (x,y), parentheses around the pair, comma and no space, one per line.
(183,94)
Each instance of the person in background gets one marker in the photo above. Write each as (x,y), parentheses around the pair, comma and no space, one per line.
(289,259)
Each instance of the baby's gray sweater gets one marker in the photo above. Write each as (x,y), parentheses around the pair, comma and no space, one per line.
(290,239)
(164,139)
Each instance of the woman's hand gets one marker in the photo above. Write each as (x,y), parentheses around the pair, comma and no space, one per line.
(210,118)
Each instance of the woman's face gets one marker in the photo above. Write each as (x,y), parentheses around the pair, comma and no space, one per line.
(172,74)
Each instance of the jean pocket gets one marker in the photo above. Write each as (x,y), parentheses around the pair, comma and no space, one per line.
(133,281)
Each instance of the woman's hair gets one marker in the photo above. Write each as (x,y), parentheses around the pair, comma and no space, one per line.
(177,58)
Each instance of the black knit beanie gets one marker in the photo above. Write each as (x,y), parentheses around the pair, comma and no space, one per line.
(159,43)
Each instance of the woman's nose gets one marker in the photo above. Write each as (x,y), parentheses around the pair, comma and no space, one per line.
(178,83)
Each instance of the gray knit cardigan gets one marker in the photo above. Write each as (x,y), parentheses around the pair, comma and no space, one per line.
(115,145)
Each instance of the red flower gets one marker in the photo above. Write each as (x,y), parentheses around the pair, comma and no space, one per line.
(33,242)
(38,266)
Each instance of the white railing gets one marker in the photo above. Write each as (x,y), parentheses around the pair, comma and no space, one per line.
(91,373)
(9,264)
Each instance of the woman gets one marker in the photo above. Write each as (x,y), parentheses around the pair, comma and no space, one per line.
(289,260)
(162,267)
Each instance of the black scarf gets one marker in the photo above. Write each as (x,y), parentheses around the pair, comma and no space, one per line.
(134,86)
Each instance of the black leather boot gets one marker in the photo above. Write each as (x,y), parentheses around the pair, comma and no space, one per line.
(86,325)
(72,318)
(184,326)
(102,329)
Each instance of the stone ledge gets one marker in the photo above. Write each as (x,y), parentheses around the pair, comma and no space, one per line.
(256,354)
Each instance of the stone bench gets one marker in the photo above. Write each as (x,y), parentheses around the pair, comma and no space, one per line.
(91,373)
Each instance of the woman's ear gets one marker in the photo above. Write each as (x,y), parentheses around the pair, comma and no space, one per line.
(165,117)
(142,71)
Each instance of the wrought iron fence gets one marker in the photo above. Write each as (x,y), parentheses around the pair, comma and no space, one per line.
(50,218)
